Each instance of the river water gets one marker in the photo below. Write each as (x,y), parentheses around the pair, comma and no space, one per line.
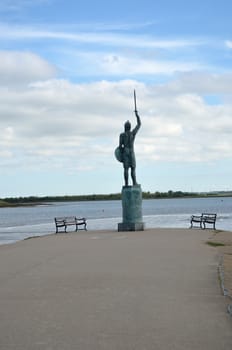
(22,222)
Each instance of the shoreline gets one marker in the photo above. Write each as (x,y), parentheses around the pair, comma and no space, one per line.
(19,223)
(49,200)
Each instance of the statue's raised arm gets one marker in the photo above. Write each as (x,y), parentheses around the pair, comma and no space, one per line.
(137,115)
(138,122)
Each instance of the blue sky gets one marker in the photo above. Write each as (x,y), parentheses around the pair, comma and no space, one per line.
(67,75)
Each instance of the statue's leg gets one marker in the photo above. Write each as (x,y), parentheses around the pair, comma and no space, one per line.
(126,176)
(133,176)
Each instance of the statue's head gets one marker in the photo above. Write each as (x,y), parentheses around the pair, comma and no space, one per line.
(127,126)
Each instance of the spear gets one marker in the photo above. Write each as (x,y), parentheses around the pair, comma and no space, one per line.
(135,101)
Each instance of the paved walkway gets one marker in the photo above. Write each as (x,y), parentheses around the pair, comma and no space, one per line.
(156,289)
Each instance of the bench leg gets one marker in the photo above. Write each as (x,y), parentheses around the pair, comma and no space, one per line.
(197,222)
(84,224)
(65,229)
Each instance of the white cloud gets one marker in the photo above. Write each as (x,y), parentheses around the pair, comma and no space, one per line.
(200,82)
(23,67)
(58,124)
(5,154)
(108,54)
(228,44)
(104,38)
(119,65)
(51,122)
(112,64)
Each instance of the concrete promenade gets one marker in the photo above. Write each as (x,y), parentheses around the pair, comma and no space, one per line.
(151,290)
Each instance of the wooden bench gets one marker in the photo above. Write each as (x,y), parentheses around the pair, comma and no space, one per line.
(203,219)
(70,221)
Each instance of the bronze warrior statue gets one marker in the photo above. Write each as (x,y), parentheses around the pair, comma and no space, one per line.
(125,152)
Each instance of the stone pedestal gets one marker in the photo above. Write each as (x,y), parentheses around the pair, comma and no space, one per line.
(131,209)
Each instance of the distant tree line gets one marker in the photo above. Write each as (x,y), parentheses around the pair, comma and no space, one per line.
(46,199)
(169,194)
(34,200)
(90,197)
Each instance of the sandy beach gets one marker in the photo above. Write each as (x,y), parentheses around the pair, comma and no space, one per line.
(157,289)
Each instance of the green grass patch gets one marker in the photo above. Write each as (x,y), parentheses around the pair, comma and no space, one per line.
(4,204)
(215,244)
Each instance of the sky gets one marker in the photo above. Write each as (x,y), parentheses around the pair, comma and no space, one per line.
(68,70)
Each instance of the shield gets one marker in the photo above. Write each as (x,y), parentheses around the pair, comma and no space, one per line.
(118,154)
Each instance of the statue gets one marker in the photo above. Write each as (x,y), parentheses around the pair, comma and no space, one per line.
(125,152)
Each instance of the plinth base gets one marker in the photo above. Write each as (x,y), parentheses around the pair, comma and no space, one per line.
(131,209)
(129,226)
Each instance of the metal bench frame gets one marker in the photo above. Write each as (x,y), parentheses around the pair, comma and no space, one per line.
(203,220)
(70,221)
